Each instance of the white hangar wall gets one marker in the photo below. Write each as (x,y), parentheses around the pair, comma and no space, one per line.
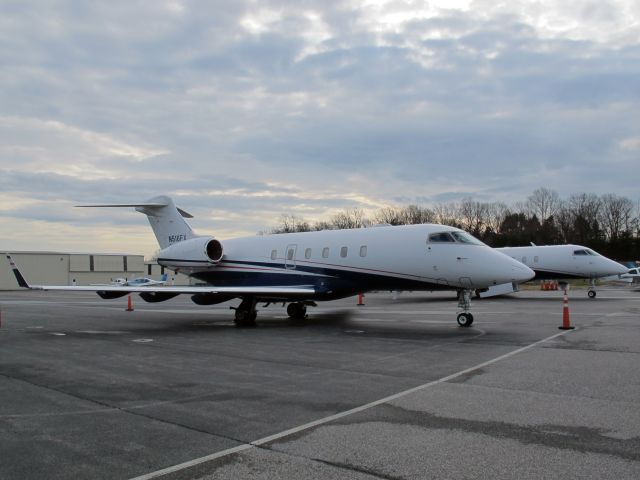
(62,268)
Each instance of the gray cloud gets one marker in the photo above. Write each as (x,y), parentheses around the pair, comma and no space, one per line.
(254,110)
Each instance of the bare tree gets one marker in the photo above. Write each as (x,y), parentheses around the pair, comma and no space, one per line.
(543,203)
(414,214)
(616,216)
(496,213)
(446,214)
(564,222)
(390,215)
(322,225)
(585,208)
(473,215)
(350,218)
(290,224)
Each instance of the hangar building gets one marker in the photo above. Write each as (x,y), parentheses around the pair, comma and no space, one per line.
(62,268)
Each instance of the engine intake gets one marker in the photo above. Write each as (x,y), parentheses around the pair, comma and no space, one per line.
(199,250)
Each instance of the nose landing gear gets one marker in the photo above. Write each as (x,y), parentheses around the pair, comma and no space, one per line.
(465,318)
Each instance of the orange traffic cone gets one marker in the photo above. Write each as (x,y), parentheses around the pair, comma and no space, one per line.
(360,299)
(566,323)
(129,304)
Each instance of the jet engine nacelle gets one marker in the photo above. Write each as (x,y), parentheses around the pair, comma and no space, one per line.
(199,250)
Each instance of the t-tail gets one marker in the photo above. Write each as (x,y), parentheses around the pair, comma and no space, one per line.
(166,220)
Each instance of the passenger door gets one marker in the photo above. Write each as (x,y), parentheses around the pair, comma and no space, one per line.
(290,256)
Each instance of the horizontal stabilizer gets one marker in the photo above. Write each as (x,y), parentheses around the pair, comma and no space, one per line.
(144,205)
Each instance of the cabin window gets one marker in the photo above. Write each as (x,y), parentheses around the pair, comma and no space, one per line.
(442,237)
(343,252)
(524,259)
(363,251)
(290,253)
(274,254)
(307,253)
(535,259)
(325,252)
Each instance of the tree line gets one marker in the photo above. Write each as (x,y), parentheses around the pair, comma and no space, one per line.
(607,223)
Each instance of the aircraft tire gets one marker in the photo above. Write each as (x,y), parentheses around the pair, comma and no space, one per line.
(245,318)
(465,319)
(297,311)
(591,293)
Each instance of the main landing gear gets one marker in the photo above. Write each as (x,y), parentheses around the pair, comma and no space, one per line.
(465,318)
(297,310)
(246,313)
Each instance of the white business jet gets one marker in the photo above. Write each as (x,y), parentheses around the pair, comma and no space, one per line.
(564,262)
(302,268)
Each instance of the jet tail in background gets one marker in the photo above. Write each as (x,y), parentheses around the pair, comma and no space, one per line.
(21,281)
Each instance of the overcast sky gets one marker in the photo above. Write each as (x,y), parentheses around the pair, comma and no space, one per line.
(246,110)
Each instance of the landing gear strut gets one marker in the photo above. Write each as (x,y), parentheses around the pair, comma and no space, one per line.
(465,319)
(246,313)
(297,310)
(592,289)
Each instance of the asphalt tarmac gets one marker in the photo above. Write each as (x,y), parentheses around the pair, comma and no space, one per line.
(393,389)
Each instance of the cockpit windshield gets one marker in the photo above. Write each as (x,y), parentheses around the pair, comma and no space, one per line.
(454,237)
(586,251)
(464,237)
(441,237)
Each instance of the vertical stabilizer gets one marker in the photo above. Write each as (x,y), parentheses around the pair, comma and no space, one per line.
(167,220)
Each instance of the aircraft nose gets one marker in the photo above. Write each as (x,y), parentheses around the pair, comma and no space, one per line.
(521,273)
(505,269)
(618,268)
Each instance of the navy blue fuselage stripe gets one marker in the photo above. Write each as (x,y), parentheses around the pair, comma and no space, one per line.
(329,282)
(550,275)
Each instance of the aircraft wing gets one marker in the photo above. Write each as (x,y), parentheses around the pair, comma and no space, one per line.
(259,291)
(274,291)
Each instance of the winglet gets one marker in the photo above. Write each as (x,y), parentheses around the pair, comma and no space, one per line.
(21,281)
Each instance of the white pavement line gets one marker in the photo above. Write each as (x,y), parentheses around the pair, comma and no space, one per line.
(331,418)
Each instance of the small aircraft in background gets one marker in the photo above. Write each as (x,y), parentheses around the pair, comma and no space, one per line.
(630,276)
(140,282)
(562,262)
(302,268)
